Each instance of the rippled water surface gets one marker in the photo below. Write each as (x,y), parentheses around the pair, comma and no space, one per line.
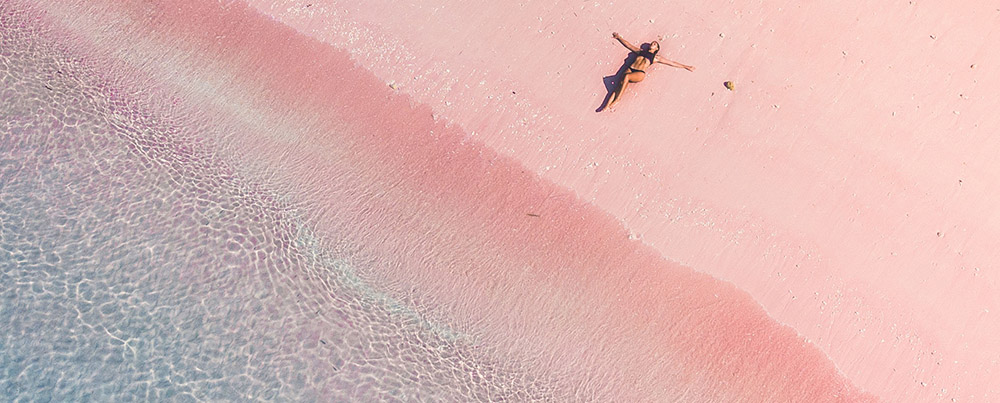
(134,266)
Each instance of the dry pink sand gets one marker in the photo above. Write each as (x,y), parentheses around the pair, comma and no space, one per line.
(848,184)
(844,184)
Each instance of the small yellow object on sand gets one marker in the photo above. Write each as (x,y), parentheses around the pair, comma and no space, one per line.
(729,85)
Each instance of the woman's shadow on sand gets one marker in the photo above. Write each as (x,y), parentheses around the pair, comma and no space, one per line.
(611,82)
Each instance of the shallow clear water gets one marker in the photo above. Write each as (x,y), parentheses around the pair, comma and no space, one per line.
(135,266)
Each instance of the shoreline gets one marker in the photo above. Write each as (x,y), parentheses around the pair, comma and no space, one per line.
(779,217)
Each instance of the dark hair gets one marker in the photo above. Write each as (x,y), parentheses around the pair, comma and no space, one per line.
(652,55)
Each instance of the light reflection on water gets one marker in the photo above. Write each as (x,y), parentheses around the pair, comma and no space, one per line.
(135,267)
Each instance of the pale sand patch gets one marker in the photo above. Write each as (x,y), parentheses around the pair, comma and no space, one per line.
(847,183)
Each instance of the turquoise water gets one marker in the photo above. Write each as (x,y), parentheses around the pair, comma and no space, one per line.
(134,266)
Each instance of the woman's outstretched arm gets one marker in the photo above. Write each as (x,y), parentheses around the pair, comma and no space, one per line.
(672,63)
(624,42)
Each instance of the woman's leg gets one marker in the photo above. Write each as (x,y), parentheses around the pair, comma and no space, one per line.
(632,77)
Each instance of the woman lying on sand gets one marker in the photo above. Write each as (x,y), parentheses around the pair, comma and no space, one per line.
(645,57)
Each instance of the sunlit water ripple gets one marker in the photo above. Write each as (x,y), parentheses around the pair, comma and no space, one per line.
(135,266)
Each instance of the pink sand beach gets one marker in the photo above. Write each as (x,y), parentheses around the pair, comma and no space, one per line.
(823,231)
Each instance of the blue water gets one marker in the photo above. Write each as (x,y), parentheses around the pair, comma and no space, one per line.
(136,267)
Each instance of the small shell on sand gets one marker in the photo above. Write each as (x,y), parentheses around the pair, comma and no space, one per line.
(729,85)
